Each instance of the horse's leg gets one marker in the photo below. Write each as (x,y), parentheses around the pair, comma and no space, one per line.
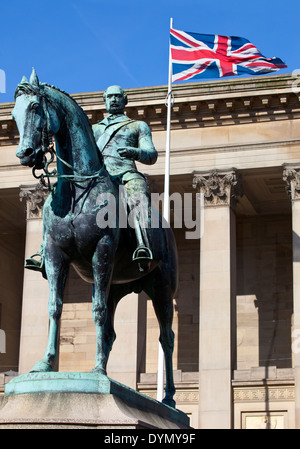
(106,332)
(161,294)
(102,269)
(57,270)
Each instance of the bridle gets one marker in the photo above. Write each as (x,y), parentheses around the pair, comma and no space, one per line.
(43,161)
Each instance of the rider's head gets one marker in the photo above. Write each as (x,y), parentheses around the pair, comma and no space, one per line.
(115,99)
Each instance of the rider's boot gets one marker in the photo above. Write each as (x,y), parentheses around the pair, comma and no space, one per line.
(139,205)
(143,254)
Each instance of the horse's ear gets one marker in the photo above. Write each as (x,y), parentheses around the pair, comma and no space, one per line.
(24,80)
(33,78)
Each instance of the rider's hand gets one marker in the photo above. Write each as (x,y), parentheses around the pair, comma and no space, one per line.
(130,153)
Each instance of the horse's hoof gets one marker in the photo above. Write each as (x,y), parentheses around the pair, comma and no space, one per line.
(169,402)
(99,370)
(41,367)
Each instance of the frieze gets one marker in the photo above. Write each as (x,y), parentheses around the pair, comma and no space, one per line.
(263,394)
(181,396)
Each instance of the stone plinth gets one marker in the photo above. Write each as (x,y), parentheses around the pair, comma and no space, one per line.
(82,400)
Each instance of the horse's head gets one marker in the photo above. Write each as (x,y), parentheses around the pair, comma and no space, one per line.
(36,118)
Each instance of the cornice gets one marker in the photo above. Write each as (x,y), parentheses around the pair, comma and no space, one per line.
(201,90)
(204,104)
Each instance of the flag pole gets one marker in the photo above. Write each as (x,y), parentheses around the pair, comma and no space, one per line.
(166,211)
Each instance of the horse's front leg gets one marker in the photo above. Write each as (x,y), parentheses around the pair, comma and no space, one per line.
(57,269)
(102,269)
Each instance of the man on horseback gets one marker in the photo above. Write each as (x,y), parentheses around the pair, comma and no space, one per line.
(123,141)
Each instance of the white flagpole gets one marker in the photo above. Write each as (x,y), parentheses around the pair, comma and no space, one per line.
(166,211)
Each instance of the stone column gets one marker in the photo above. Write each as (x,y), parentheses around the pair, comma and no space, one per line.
(34,322)
(217,296)
(291,175)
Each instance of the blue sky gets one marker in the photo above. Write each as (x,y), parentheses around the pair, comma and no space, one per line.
(87,45)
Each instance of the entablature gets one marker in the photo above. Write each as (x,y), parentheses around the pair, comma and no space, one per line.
(204,104)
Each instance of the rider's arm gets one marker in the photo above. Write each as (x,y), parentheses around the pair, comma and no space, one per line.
(145,152)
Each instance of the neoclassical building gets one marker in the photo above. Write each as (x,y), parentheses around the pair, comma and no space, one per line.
(235,149)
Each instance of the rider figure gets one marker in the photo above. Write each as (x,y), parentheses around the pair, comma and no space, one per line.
(123,141)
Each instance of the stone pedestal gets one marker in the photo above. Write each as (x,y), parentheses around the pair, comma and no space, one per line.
(79,401)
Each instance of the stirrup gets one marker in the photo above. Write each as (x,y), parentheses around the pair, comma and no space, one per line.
(36,265)
(143,256)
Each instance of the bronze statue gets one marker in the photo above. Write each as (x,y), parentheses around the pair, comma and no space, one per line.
(121,142)
(102,256)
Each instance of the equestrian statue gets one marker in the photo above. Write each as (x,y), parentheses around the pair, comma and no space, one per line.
(96,176)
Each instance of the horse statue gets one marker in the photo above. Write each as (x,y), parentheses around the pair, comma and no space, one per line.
(71,235)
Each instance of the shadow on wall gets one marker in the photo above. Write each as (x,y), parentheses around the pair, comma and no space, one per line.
(264,272)
(296,247)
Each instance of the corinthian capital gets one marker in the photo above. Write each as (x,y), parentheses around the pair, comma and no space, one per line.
(35,197)
(291,176)
(220,187)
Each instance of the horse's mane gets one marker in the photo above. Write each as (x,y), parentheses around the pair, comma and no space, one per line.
(68,96)
(28,88)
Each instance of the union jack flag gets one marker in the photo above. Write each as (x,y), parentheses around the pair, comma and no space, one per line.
(213,56)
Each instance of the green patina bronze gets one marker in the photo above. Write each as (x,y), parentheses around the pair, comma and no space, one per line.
(92,164)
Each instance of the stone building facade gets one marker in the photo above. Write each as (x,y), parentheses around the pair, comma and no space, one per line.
(235,149)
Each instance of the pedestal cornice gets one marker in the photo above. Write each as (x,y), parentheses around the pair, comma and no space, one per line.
(79,400)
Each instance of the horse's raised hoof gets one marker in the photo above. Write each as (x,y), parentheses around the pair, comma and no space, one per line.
(41,367)
(169,402)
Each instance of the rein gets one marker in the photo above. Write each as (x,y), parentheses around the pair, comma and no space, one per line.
(45,177)
(43,163)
